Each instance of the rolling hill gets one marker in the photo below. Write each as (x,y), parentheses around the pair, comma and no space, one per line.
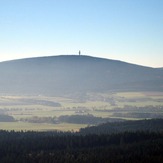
(57,75)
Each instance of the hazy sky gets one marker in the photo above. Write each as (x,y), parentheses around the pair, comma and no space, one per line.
(127,30)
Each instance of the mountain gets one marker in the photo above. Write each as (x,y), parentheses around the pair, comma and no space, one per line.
(57,75)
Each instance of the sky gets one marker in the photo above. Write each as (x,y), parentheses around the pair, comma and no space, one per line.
(126,30)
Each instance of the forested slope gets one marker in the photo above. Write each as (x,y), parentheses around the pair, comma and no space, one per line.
(152,125)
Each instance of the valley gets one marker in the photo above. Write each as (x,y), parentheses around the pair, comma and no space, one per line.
(74,111)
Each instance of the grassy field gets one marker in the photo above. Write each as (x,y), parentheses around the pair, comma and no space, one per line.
(18,126)
(97,104)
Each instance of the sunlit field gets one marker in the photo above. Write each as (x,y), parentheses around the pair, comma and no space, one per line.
(124,105)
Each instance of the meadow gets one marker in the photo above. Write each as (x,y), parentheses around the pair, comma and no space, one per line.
(124,105)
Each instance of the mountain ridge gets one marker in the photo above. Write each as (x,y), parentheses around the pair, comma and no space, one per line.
(72,73)
(73,56)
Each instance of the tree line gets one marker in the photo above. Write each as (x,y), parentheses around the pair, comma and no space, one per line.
(125,146)
(51,147)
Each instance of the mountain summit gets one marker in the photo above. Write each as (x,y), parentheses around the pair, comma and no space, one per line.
(58,75)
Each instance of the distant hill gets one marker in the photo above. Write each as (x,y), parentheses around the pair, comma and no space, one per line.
(57,75)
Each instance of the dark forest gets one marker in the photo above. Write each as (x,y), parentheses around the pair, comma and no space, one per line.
(54,146)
